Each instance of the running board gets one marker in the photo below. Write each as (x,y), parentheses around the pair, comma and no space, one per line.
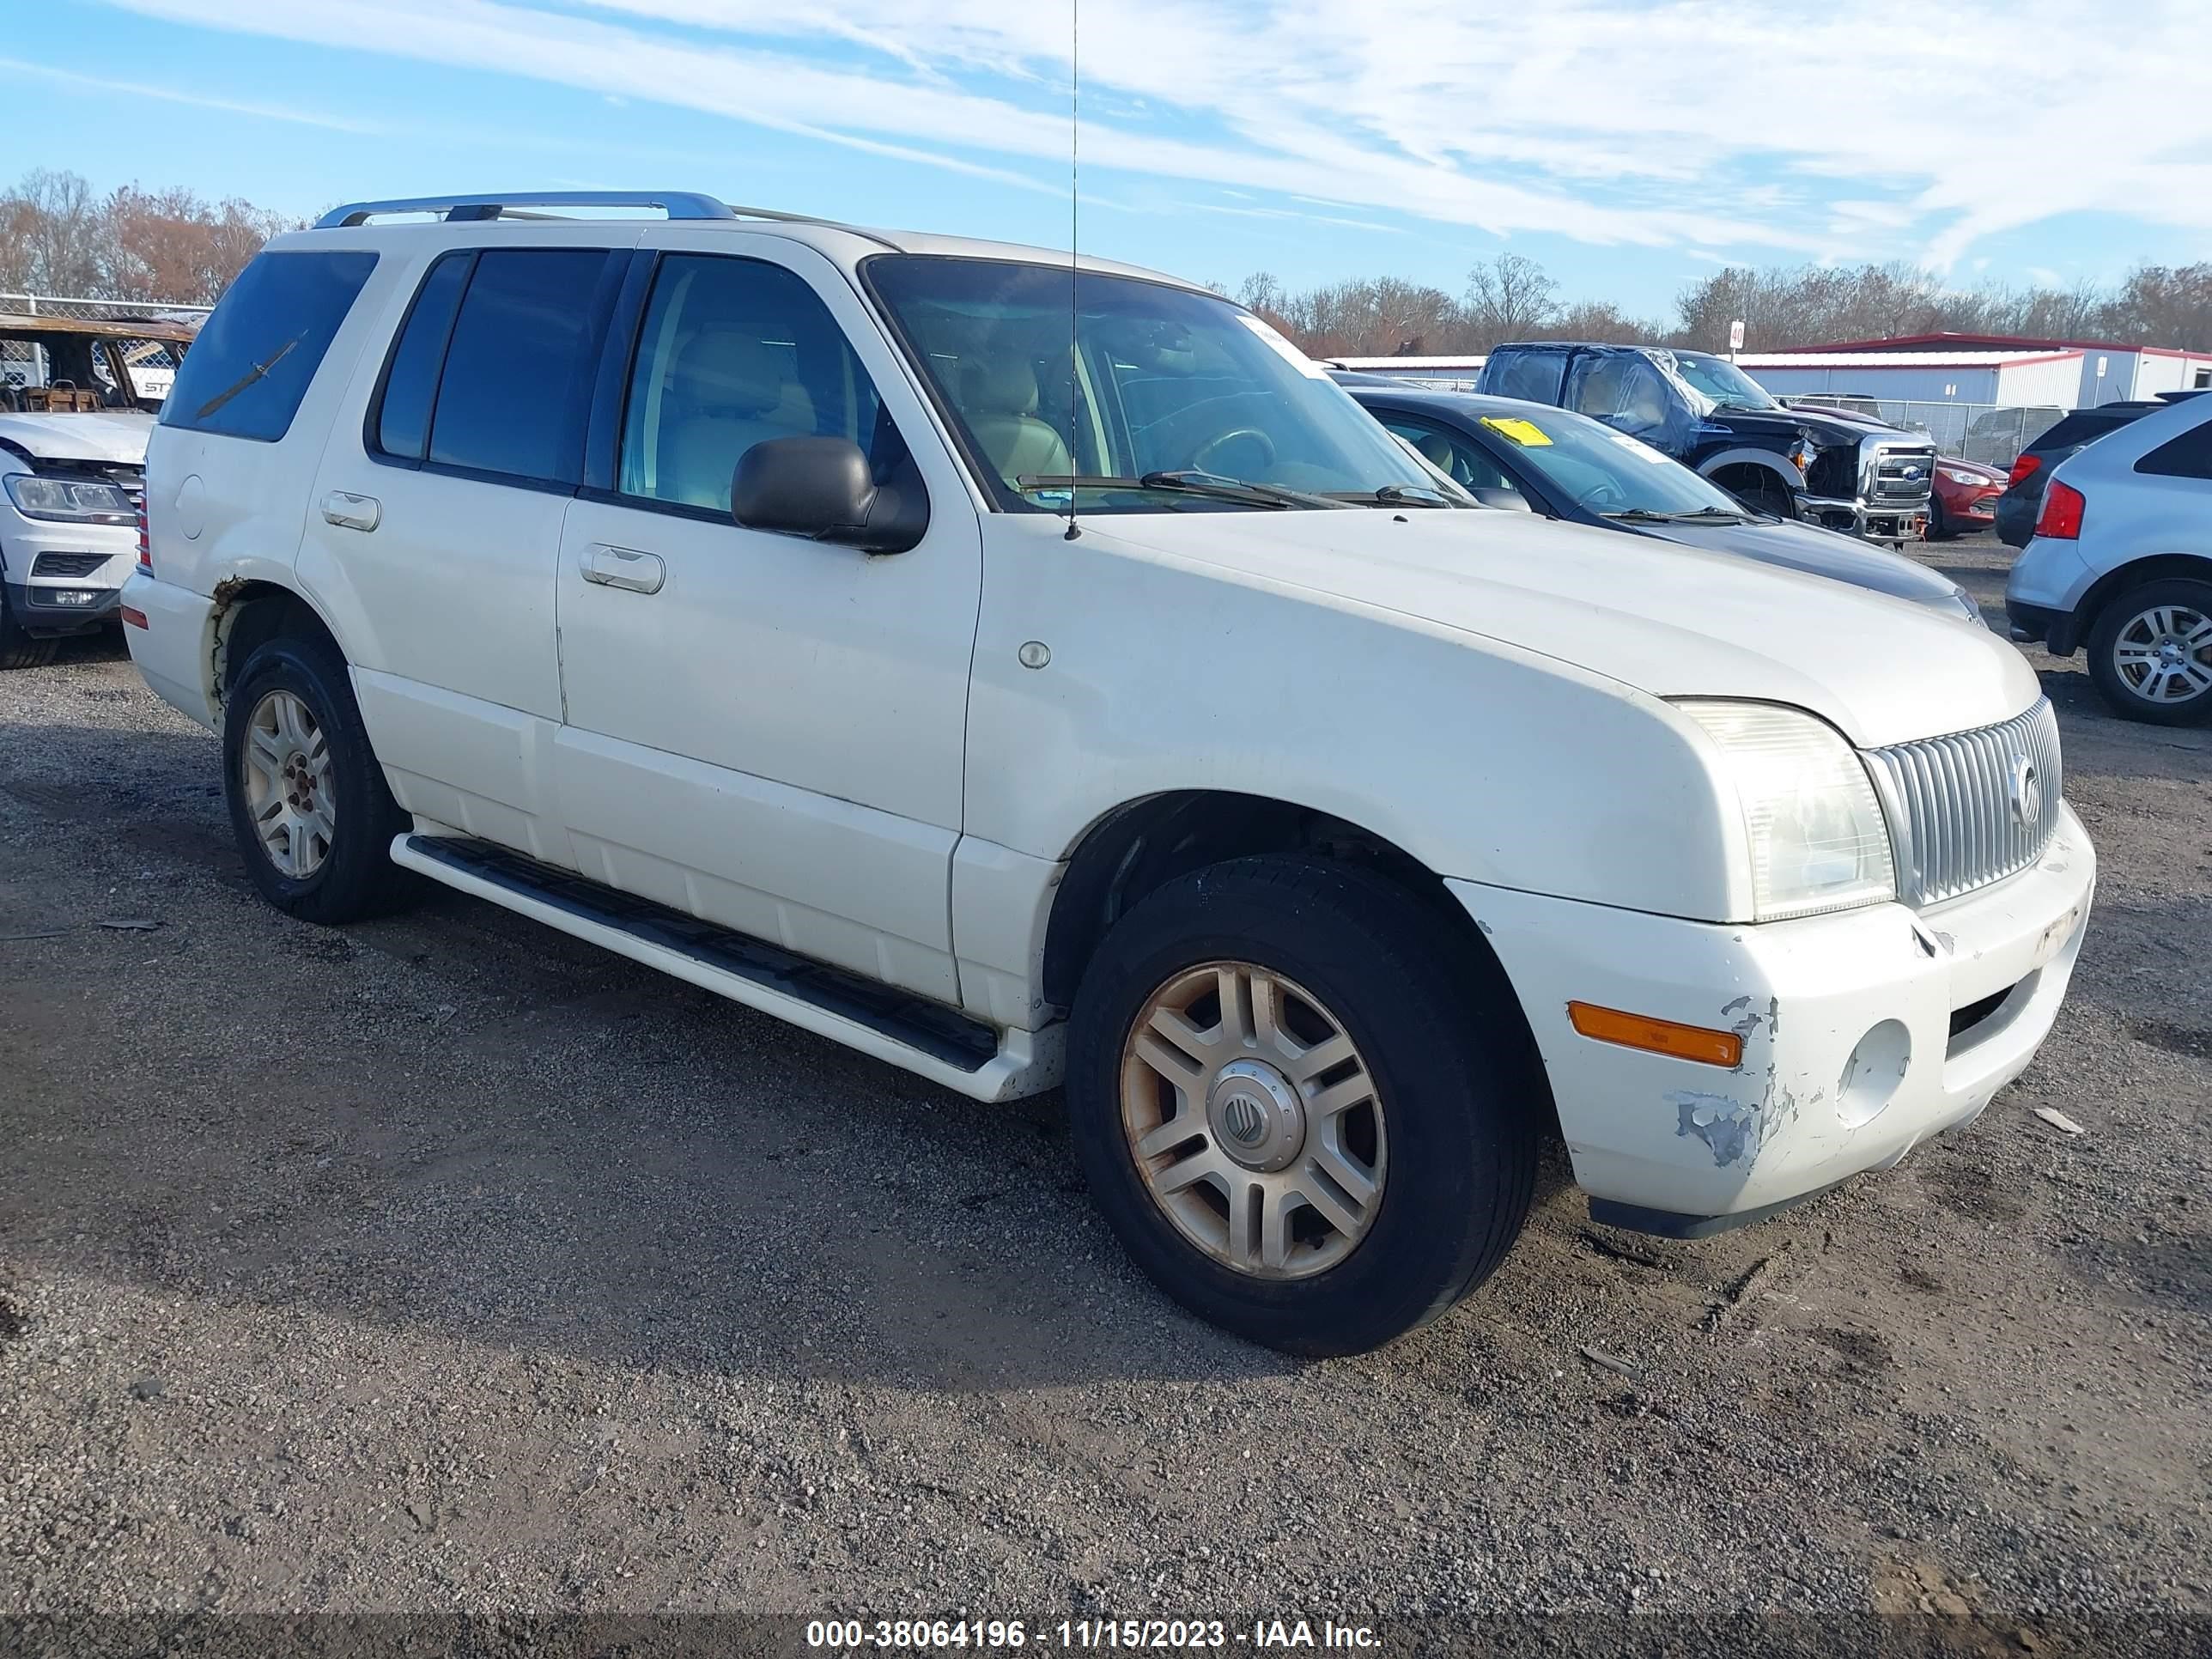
(924,1037)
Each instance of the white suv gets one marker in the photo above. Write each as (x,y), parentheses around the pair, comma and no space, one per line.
(1027,673)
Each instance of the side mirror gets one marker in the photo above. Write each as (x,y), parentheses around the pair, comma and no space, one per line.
(821,488)
(1490,495)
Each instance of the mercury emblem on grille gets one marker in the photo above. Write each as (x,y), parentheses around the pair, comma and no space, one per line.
(2027,793)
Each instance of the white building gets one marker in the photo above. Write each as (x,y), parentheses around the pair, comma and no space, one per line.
(1993,370)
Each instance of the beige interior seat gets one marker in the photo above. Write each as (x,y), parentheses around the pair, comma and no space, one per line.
(726,392)
(999,396)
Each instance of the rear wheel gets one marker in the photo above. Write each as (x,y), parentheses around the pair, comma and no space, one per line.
(1302,1102)
(2151,651)
(19,649)
(313,816)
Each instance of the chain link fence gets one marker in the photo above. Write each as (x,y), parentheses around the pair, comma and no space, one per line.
(1992,433)
(51,305)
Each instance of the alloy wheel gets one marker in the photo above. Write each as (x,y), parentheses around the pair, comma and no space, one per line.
(286,768)
(2163,654)
(1253,1119)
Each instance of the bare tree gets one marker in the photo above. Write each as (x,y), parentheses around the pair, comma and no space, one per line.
(51,235)
(58,237)
(1510,299)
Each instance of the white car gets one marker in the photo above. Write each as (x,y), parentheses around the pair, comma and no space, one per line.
(2121,562)
(1030,677)
(74,420)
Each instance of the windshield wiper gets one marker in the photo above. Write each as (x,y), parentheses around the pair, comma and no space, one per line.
(1393,496)
(1184,482)
(1644,515)
(254,372)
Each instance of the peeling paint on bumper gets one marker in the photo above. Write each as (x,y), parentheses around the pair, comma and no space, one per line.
(1849,1061)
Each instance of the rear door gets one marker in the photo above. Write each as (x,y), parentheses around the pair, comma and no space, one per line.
(762,731)
(437,521)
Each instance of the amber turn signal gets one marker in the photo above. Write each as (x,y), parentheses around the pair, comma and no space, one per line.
(1660,1036)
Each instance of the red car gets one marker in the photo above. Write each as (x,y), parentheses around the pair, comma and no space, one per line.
(1966,497)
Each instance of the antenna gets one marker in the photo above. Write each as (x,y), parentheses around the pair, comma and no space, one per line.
(1074,269)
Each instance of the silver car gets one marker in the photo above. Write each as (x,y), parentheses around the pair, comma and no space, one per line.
(2121,563)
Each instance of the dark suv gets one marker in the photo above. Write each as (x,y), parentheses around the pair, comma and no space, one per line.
(2022,502)
(1707,413)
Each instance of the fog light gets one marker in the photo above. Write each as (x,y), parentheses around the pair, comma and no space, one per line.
(1871,1074)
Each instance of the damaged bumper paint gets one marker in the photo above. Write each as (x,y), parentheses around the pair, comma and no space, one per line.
(1865,1032)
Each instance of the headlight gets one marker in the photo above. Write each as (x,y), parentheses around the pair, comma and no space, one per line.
(1974,479)
(1818,839)
(71,501)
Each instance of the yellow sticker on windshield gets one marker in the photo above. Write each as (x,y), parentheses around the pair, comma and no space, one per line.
(1527,434)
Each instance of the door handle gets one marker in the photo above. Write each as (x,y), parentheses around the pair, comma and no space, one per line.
(350,512)
(622,567)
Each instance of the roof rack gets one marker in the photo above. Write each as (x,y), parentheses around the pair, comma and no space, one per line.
(676,203)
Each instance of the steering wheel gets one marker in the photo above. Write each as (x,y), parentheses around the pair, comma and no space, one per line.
(1202,459)
(1605,495)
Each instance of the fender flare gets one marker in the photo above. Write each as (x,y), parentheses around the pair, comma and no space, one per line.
(1781,466)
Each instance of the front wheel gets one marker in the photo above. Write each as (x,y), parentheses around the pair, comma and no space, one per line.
(313,816)
(2150,653)
(1304,1103)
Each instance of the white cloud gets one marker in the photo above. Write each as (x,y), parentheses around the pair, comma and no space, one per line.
(194,99)
(1659,123)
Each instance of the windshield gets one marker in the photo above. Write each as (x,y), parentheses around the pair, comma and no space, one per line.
(1603,471)
(1720,379)
(1150,398)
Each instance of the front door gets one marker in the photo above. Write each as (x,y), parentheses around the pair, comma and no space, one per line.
(764,731)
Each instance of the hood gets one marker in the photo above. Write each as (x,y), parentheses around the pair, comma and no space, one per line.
(118,437)
(1835,430)
(1820,552)
(1668,619)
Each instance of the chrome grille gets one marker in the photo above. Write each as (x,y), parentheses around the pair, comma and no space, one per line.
(1955,818)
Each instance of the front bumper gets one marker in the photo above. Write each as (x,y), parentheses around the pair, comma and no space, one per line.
(62,578)
(1879,521)
(1850,1056)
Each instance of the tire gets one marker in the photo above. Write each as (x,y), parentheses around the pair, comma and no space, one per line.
(1939,527)
(2174,613)
(1451,1127)
(19,649)
(344,870)
(1768,495)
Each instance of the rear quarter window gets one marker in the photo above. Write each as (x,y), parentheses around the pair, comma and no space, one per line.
(254,361)
(2189,456)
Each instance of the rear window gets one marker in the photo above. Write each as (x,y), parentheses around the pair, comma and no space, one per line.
(254,361)
(1536,376)
(2080,427)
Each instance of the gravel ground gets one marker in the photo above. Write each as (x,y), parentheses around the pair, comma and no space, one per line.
(447,1265)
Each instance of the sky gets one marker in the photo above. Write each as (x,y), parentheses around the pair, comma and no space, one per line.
(1630,145)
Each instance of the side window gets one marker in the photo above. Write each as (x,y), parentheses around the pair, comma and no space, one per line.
(734,352)
(410,379)
(255,359)
(1451,455)
(2189,456)
(516,388)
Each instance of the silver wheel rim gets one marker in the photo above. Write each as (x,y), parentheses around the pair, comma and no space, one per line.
(1254,1120)
(2164,655)
(286,769)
